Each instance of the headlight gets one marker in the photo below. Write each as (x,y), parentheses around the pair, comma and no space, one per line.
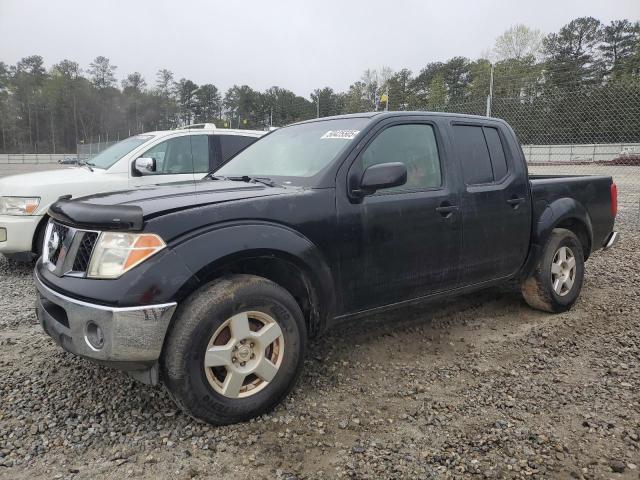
(18,205)
(116,253)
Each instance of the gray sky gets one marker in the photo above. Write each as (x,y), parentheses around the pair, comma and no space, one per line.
(295,44)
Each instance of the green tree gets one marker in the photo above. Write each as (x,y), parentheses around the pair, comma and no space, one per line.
(518,42)
(186,96)
(208,104)
(242,107)
(102,73)
(401,95)
(133,92)
(620,40)
(165,101)
(572,54)
(27,81)
(330,102)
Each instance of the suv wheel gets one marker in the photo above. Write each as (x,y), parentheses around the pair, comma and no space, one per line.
(557,280)
(235,350)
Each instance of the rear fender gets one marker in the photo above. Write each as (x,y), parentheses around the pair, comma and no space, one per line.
(560,212)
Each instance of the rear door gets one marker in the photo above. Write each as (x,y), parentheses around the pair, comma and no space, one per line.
(496,209)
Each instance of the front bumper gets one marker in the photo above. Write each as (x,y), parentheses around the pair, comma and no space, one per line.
(18,233)
(132,337)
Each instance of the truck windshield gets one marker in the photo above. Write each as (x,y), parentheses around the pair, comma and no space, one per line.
(296,151)
(111,155)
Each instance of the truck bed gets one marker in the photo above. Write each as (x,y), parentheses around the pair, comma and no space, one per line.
(593,193)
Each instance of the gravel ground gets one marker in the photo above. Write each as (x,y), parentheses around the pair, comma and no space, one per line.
(481,386)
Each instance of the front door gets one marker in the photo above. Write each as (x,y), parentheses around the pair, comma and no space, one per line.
(400,243)
(175,160)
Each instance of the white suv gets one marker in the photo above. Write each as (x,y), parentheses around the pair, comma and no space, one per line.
(186,154)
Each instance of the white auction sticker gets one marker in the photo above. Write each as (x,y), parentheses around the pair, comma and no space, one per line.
(342,134)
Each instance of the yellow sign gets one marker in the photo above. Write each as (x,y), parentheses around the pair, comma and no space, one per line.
(244,121)
(384,98)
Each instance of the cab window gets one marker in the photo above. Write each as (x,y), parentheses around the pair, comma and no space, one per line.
(414,145)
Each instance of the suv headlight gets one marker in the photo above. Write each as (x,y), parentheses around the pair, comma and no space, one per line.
(18,205)
(115,253)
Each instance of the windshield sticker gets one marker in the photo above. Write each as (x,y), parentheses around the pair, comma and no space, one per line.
(342,134)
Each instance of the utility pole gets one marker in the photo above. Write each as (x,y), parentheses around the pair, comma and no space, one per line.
(318,106)
(490,97)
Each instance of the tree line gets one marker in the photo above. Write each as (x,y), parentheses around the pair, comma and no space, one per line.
(578,85)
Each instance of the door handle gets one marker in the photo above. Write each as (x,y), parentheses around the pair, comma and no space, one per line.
(445,209)
(515,201)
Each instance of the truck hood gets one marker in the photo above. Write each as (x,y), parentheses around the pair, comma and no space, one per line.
(31,183)
(127,210)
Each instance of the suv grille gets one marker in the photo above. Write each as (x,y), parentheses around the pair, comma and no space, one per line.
(67,250)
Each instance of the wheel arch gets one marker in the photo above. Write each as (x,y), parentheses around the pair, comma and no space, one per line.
(565,213)
(42,224)
(269,251)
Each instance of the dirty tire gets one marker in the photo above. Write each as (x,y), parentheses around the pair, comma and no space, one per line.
(182,362)
(538,291)
(39,240)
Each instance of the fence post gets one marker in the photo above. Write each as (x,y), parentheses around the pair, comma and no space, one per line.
(490,96)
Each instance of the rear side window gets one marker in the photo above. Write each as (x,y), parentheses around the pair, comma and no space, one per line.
(232,144)
(474,154)
(200,152)
(498,159)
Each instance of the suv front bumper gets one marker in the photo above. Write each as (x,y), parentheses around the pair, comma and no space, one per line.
(129,338)
(17,232)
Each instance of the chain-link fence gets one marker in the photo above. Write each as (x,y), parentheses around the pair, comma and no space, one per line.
(91,149)
(591,130)
(577,126)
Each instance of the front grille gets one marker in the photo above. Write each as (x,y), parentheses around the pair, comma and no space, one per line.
(67,250)
(56,241)
(81,262)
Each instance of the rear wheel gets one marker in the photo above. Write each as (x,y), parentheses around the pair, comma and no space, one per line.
(235,351)
(557,280)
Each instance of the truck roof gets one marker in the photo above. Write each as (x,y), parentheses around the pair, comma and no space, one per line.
(212,131)
(385,114)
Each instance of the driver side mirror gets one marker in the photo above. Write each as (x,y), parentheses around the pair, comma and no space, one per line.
(145,166)
(383,175)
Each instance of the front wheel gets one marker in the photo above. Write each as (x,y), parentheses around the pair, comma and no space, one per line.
(557,280)
(235,350)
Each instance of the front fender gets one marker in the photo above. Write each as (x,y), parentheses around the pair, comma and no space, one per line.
(556,213)
(205,252)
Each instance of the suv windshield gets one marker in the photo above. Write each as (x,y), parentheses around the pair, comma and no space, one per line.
(111,155)
(296,151)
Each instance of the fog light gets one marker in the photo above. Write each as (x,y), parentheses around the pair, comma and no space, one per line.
(94,336)
(3,234)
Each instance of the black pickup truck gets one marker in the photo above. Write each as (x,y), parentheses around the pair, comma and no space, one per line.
(214,288)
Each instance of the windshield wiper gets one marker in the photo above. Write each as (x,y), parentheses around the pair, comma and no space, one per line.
(243,178)
(246,178)
(86,164)
(212,176)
